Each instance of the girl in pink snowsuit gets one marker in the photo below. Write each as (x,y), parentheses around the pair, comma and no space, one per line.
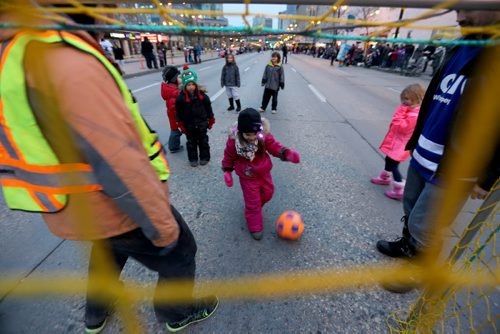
(400,130)
(246,153)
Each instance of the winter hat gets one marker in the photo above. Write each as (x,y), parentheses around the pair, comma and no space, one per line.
(249,121)
(188,75)
(170,73)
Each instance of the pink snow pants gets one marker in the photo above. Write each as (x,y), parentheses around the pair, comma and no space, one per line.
(256,193)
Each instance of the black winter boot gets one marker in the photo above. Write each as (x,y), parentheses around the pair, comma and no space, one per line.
(400,248)
(406,230)
(231,105)
(238,105)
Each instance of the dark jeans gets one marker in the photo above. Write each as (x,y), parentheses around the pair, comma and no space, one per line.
(268,93)
(174,141)
(151,60)
(285,58)
(197,138)
(392,166)
(178,264)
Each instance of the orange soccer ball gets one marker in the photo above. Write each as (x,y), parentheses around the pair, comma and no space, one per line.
(290,225)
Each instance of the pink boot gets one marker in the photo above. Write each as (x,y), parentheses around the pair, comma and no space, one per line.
(384,178)
(397,190)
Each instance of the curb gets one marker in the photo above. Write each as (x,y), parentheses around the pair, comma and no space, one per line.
(146,72)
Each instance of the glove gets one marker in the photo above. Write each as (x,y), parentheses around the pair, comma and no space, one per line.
(182,127)
(211,122)
(292,156)
(167,249)
(228,179)
(282,86)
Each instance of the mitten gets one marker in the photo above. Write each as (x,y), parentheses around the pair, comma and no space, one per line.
(282,85)
(211,122)
(292,156)
(182,127)
(228,179)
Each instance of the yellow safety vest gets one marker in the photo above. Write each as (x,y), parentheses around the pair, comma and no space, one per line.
(32,177)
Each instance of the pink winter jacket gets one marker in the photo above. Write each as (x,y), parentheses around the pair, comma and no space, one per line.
(400,130)
(260,166)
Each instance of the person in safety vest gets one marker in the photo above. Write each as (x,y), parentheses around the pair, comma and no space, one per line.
(74,147)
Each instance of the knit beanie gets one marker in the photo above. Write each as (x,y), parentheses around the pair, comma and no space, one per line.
(249,121)
(170,74)
(188,75)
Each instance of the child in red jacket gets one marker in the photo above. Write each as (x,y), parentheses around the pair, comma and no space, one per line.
(246,152)
(170,89)
(401,128)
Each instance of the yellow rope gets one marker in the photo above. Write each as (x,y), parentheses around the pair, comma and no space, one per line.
(165,14)
(189,12)
(331,10)
(432,11)
(91,12)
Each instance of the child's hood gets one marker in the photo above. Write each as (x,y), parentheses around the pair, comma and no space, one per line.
(274,65)
(265,124)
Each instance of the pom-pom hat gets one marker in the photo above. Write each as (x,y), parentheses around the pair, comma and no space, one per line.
(188,75)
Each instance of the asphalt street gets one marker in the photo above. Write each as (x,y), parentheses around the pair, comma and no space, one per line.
(336,118)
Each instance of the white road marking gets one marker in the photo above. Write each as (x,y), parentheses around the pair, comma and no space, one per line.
(246,69)
(294,69)
(216,95)
(318,94)
(204,68)
(394,90)
(146,87)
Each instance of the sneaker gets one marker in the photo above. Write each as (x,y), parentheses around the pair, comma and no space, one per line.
(261,109)
(97,317)
(96,328)
(193,163)
(203,162)
(398,248)
(274,111)
(208,307)
(257,235)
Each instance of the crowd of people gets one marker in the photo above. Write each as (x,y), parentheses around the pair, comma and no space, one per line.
(132,214)
(405,58)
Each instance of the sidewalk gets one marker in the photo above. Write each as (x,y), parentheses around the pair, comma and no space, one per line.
(136,66)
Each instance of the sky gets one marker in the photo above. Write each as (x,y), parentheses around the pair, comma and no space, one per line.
(268,9)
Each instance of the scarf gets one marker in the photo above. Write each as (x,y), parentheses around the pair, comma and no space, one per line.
(247,150)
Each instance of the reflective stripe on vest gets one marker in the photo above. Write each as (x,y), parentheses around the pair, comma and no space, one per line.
(33,178)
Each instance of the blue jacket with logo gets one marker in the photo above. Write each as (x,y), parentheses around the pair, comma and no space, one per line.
(435,90)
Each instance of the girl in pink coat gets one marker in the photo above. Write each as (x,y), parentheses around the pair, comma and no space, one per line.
(246,153)
(400,130)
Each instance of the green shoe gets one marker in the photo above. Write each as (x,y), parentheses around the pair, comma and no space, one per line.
(94,329)
(207,307)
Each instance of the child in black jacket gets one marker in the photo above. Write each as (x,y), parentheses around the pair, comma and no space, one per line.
(194,117)
(273,79)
